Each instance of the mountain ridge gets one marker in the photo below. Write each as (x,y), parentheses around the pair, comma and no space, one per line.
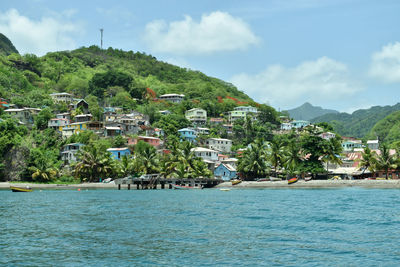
(308,111)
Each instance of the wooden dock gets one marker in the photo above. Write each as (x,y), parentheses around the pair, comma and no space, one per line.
(164,183)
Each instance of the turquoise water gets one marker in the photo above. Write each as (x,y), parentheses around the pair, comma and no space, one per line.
(297,227)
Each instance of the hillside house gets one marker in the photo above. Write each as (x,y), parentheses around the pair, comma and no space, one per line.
(81,104)
(350,145)
(299,124)
(196,116)
(83,117)
(225,172)
(154,141)
(117,153)
(110,131)
(206,154)
(373,144)
(62,97)
(327,135)
(69,151)
(23,115)
(216,121)
(241,112)
(174,98)
(63,116)
(187,134)
(204,131)
(58,124)
(220,144)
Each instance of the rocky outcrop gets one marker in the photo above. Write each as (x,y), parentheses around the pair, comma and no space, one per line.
(15,164)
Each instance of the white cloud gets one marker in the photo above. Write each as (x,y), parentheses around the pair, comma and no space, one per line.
(38,36)
(217,31)
(385,64)
(319,82)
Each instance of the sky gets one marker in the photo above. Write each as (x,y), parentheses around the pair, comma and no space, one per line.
(338,54)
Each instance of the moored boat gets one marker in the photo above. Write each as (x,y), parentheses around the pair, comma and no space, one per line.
(184,187)
(293,180)
(21,189)
(235,182)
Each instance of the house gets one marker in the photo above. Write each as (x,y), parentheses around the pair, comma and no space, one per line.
(241,112)
(327,135)
(67,132)
(196,115)
(110,116)
(83,117)
(69,151)
(219,144)
(127,128)
(154,141)
(286,126)
(216,121)
(228,128)
(112,131)
(373,144)
(80,103)
(63,116)
(96,126)
(350,145)
(205,153)
(225,172)
(117,153)
(187,134)
(62,97)
(174,98)
(231,161)
(204,131)
(299,124)
(21,114)
(58,123)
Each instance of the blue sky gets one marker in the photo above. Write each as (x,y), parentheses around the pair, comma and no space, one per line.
(337,54)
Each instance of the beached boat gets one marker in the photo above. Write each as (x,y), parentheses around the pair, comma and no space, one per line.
(274,179)
(184,187)
(21,189)
(307,179)
(263,179)
(293,180)
(235,182)
(225,189)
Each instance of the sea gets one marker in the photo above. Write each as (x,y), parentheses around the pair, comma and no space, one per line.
(210,227)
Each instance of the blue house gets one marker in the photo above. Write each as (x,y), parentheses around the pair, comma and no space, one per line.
(225,171)
(299,124)
(187,134)
(117,153)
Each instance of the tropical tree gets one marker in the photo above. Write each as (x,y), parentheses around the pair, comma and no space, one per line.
(94,163)
(332,150)
(293,157)
(368,160)
(125,166)
(253,162)
(276,153)
(146,159)
(385,161)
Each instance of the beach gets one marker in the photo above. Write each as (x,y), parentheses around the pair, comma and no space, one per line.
(244,184)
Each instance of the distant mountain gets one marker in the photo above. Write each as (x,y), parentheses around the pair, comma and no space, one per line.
(308,112)
(360,122)
(6,46)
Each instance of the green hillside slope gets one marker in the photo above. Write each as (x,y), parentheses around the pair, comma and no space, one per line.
(388,129)
(360,122)
(6,46)
(308,112)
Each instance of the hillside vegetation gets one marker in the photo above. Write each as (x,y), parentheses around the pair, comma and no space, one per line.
(308,112)
(360,122)
(6,47)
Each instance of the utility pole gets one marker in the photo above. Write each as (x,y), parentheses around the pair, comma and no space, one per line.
(101,40)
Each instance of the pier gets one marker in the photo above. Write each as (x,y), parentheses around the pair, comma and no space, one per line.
(164,183)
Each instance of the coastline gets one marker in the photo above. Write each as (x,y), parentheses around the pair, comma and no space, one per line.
(243,185)
(316,184)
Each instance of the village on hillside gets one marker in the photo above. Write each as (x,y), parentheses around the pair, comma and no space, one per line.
(218,154)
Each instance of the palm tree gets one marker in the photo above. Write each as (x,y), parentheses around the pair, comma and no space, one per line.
(276,153)
(368,160)
(94,163)
(146,160)
(43,174)
(385,161)
(293,158)
(253,162)
(124,166)
(331,152)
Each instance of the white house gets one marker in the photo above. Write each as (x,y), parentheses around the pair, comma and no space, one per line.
(62,97)
(196,115)
(327,135)
(286,126)
(220,144)
(373,144)
(205,153)
(174,98)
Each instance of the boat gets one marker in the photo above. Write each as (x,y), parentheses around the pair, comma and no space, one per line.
(274,179)
(184,187)
(235,182)
(21,189)
(307,179)
(263,179)
(225,189)
(293,180)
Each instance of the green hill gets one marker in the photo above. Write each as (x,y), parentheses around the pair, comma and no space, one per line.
(360,122)
(308,112)
(115,77)
(388,129)
(6,46)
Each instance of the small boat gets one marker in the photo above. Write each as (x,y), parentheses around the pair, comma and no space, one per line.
(235,182)
(307,179)
(225,189)
(293,180)
(263,179)
(21,189)
(184,187)
(274,179)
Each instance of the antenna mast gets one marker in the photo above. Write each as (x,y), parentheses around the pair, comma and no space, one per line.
(101,40)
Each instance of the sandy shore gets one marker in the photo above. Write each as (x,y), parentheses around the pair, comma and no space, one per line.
(317,184)
(6,185)
(245,184)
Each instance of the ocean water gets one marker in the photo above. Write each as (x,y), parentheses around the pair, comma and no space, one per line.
(269,227)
